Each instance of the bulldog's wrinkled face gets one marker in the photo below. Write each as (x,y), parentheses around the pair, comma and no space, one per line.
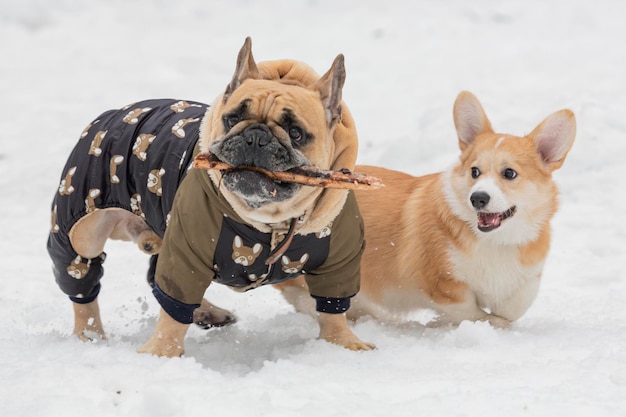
(275,124)
(263,130)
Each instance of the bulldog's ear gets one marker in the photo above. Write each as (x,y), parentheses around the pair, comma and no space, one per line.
(246,68)
(469,118)
(329,87)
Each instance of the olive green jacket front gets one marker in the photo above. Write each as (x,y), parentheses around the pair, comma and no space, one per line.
(206,241)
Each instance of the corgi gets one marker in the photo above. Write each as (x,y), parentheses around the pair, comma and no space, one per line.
(469,243)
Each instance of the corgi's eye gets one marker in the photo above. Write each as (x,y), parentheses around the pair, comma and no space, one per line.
(509,174)
(475,172)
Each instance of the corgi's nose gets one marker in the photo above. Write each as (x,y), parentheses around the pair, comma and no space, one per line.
(479,199)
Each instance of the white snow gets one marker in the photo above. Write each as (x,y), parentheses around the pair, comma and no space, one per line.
(63,62)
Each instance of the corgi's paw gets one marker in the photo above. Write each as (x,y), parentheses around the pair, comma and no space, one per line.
(497,322)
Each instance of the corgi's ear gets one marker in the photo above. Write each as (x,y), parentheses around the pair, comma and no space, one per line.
(554,137)
(470,119)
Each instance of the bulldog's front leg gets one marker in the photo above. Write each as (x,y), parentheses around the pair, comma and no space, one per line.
(334,329)
(168,338)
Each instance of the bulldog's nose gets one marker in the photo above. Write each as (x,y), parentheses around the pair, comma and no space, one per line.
(479,199)
(257,136)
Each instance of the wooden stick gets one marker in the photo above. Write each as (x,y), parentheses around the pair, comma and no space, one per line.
(305,175)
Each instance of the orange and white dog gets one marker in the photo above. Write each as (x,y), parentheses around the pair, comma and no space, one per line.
(470,242)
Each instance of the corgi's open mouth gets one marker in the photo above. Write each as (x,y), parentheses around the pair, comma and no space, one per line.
(491,221)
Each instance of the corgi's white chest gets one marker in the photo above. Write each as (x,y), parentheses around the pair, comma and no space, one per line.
(493,272)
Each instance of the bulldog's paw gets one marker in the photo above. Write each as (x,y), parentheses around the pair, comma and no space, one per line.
(168,338)
(149,242)
(354,344)
(89,336)
(87,323)
(209,315)
(160,346)
(334,329)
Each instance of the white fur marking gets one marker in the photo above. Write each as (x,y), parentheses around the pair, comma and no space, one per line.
(498,201)
(495,274)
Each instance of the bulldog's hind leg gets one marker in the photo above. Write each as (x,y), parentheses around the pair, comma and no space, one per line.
(209,315)
(90,233)
(87,320)
(296,292)
(88,237)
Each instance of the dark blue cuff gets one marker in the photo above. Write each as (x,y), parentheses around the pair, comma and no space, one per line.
(332,305)
(179,311)
(88,299)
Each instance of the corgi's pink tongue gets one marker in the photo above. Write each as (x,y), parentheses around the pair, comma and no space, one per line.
(488,220)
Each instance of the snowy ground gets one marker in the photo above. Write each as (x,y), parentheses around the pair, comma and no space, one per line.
(64,61)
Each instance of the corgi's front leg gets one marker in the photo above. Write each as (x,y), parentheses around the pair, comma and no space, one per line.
(468,309)
(514,307)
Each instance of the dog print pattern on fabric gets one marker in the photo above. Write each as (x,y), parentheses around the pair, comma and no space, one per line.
(66,188)
(78,269)
(142,143)
(132,118)
(133,158)
(95,148)
(290,267)
(116,160)
(54,228)
(244,255)
(181,105)
(154,181)
(241,252)
(179,128)
(135,205)
(90,201)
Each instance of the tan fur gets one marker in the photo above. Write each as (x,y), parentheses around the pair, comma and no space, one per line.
(278,83)
(88,237)
(87,320)
(168,339)
(423,248)
(271,86)
(334,329)
(338,149)
(90,233)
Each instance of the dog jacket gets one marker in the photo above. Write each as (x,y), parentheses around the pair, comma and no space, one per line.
(138,159)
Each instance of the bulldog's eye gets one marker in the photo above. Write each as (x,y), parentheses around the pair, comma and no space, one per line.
(231,120)
(475,172)
(509,174)
(295,134)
